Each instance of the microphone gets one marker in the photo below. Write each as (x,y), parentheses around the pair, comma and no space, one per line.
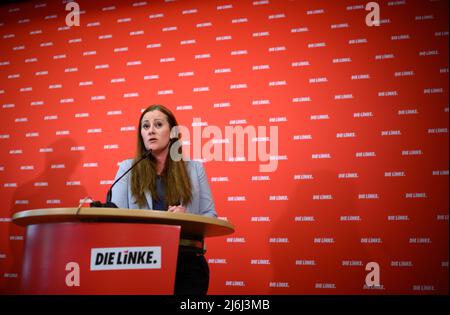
(108,203)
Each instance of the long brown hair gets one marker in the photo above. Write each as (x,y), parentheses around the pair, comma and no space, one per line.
(175,177)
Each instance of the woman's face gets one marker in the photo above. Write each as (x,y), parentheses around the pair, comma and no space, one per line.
(155,131)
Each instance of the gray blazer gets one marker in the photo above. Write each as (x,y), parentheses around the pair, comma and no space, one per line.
(202,202)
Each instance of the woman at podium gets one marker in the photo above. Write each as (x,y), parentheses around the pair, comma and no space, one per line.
(160,182)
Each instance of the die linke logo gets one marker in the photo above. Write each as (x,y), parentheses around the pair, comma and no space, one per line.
(121,258)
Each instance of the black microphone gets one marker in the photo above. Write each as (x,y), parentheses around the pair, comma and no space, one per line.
(108,203)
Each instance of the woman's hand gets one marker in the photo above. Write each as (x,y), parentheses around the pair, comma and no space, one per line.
(177,209)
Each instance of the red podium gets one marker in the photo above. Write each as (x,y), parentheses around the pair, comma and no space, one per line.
(108,251)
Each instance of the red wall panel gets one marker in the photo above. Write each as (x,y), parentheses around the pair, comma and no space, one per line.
(361,115)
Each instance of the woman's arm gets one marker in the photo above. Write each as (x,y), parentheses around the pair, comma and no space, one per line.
(206,205)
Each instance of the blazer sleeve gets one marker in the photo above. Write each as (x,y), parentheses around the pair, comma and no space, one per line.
(206,205)
(120,189)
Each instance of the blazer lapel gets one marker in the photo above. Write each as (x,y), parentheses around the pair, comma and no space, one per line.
(148,196)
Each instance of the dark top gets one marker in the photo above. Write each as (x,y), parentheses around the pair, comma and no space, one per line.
(161,203)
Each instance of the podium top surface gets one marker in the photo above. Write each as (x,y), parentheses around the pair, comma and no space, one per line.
(191,224)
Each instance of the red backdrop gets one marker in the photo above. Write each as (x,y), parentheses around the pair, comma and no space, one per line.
(362,117)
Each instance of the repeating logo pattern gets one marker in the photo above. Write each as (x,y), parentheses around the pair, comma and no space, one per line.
(359,103)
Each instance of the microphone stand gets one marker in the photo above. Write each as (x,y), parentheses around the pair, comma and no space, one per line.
(108,203)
